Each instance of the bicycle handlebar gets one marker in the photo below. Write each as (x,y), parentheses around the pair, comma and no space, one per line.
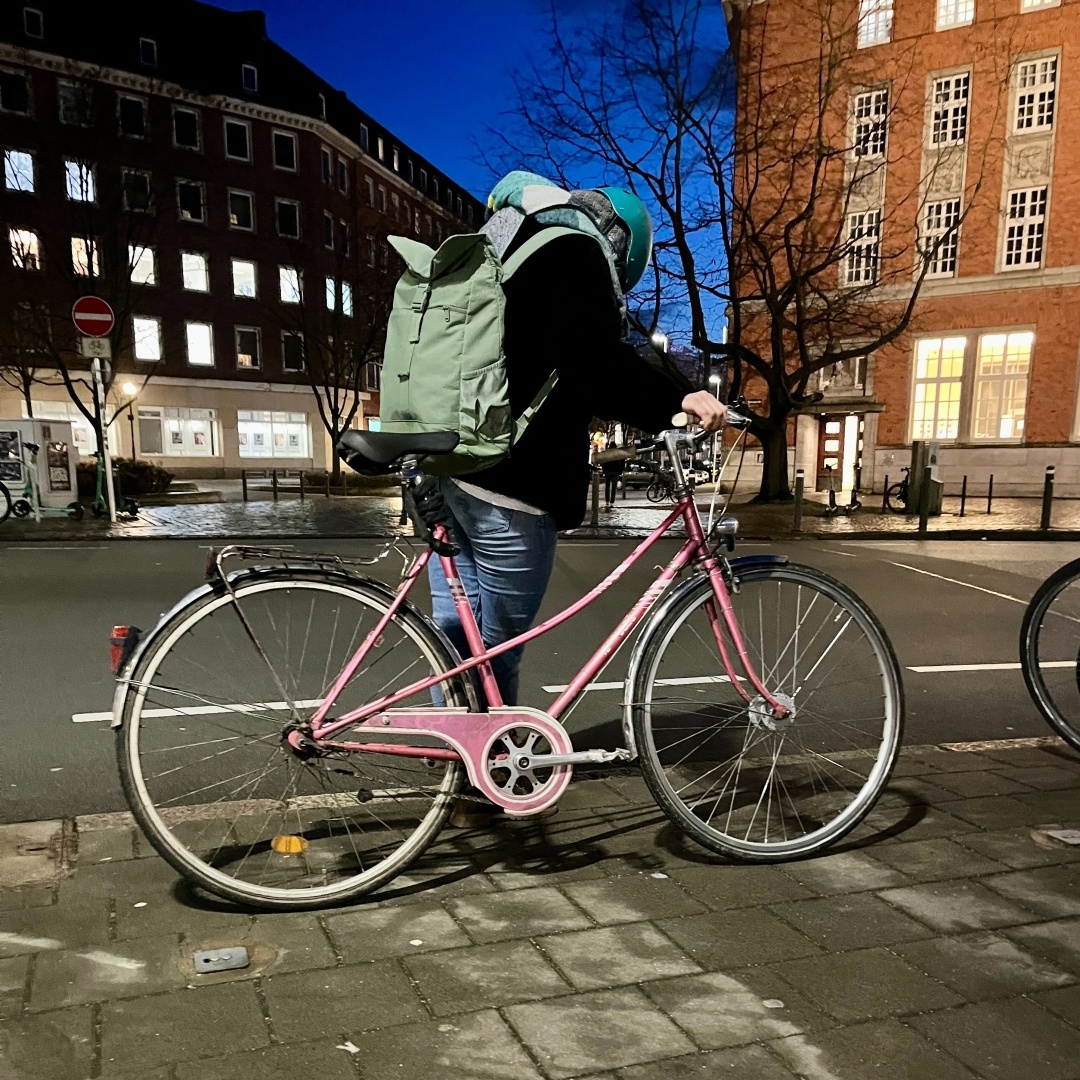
(681,420)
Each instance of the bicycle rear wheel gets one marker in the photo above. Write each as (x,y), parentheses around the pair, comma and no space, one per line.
(656,491)
(207,772)
(1050,651)
(896,498)
(728,773)
(5,504)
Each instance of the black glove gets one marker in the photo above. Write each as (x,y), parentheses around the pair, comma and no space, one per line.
(428,509)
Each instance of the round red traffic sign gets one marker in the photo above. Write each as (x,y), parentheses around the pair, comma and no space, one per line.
(93,316)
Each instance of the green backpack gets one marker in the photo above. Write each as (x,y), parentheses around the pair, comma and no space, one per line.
(444,368)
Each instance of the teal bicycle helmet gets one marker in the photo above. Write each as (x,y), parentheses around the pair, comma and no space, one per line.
(622,218)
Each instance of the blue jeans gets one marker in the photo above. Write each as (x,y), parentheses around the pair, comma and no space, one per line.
(505,565)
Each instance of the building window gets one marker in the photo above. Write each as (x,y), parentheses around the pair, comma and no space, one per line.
(148,52)
(328,230)
(25,249)
(346,293)
(438,232)
(423,180)
(292,351)
(244,275)
(1025,228)
(941,237)
(952,13)
(83,437)
(249,78)
(146,333)
(435,188)
(79,181)
(248,351)
(272,434)
(950,110)
(19,171)
(458,207)
(285,150)
(178,432)
(863,248)
(427,225)
(1036,84)
(238,140)
(190,200)
(382,148)
(1035,5)
(364,138)
(331,294)
(186,129)
(396,159)
(410,171)
(369,184)
(289,280)
(241,210)
(14,93)
(74,104)
(371,376)
(939,376)
(322,106)
(143,264)
(288,218)
(200,344)
(344,238)
(196,271)
(395,206)
(342,174)
(136,187)
(84,256)
(132,116)
(327,166)
(33,23)
(1001,378)
(870,113)
(346,299)
(382,200)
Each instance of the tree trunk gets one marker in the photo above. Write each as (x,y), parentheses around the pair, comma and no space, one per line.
(774,472)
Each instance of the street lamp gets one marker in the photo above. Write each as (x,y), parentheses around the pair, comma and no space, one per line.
(131,391)
(660,340)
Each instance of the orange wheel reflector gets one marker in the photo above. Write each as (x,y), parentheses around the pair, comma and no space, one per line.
(289,845)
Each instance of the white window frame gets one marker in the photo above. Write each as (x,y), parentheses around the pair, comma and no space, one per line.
(1025,228)
(328,230)
(249,85)
(870,123)
(278,203)
(381,145)
(237,331)
(396,159)
(238,286)
(41,23)
(365,138)
(189,266)
(326,164)
(15,175)
(207,340)
(952,13)
(140,335)
(1038,5)
(250,196)
(285,367)
(941,218)
(85,256)
(923,348)
(276,134)
(257,424)
(245,126)
(290,284)
(197,148)
(142,261)
(143,42)
(25,247)
(983,385)
(80,181)
(331,293)
(141,102)
(202,200)
(346,300)
(189,424)
(26,82)
(1035,104)
(862,244)
(342,176)
(69,112)
(950,97)
(149,207)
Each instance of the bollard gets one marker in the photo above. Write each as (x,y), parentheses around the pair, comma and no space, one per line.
(885,494)
(924,500)
(990,493)
(963,496)
(403,518)
(301,483)
(273,483)
(595,519)
(328,483)
(243,483)
(800,483)
(1048,498)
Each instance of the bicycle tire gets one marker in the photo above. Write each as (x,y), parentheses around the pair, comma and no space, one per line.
(805,768)
(310,807)
(5,504)
(1052,705)
(21,508)
(656,492)
(896,498)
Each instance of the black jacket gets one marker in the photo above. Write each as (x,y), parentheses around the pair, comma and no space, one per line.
(562,314)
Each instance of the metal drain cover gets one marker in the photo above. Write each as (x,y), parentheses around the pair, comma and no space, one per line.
(236,956)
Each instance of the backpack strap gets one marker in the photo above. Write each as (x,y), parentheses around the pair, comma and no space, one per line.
(523,421)
(533,245)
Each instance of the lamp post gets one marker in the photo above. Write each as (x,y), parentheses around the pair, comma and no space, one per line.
(660,340)
(132,392)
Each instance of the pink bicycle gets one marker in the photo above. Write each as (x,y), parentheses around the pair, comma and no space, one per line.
(278,744)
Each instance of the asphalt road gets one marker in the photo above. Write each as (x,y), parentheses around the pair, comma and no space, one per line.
(944,604)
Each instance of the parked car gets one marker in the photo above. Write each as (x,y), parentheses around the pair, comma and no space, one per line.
(639,474)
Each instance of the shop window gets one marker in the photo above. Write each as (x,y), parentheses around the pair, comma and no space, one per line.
(175,432)
(273,434)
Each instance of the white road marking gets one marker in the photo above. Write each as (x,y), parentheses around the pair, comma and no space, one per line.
(200,710)
(966,584)
(55,547)
(700,680)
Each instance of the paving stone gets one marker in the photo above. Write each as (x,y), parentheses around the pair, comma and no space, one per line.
(1018,848)
(275,944)
(742,1063)
(532,863)
(977,782)
(592,794)
(123,881)
(864,985)
(918,790)
(843,872)
(208,1022)
(163,1073)
(718,1010)
(105,845)
(321,1059)
(29,897)
(30,853)
(13,974)
(916,762)
(632,898)
(336,1000)
(983,965)
(724,887)
(956,906)
(936,860)
(465,980)
(1052,891)
(999,812)
(858,921)
(883,1048)
(737,938)
(954,761)
(1045,777)
(1061,755)
(1058,941)
(476,1046)
(892,825)
(60,926)
(172,908)
(605,1029)
(436,878)
(1008,1040)
(379,932)
(48,1046)
(521,913)
(1064,1002)
(616,956)
(1053,806)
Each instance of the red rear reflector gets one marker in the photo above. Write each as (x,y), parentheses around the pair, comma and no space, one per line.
(116,647)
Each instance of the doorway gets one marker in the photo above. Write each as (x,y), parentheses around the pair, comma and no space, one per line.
(840,444)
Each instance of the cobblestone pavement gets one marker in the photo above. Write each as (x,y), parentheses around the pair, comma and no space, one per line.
(939,942)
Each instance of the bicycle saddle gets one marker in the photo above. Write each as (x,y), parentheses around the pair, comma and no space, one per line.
(377,451)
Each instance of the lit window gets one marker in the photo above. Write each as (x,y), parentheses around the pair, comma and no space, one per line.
(1025,228)
(248,351)
(331,294)
(1034,5)
(14,93)
(397,160)
(870,113)
(288,218)
(950,110)
(74,104)
(189,200)
(84,256)
(1036,85)
(382,148)
(937,385)
(346,299)
(79,179)
(196,271)
(272,434)
(143,265)
(136,186)
(25,249)
(238,140)
(132,115)
(146,333)
(19,170)
(863,248)
(186,129)
(285,150)
(242,210)
(148,52)
(1001,378)
(289,284)
(941,237)
(954,13)
(175,432)
(292,351)
(33,22)
(249,78)
(243,278)
(200,344)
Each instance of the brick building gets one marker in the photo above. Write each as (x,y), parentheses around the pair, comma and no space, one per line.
(966,107)
(230,204)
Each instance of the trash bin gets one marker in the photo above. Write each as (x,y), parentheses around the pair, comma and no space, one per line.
(923,454)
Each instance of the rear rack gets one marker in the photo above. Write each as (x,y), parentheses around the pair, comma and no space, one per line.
(290,556)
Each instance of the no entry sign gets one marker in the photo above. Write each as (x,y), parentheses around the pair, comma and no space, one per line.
(92,316)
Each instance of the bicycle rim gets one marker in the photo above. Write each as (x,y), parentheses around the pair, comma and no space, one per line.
(5,504)
(1050,651)
(216,789)
(734,777)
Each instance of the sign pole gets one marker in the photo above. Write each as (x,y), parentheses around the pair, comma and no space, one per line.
(99,392)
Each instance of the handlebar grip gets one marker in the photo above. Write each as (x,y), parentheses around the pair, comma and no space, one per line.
(736,420)
(680,420)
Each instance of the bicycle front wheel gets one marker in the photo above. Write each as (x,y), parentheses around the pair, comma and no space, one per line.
(731,775)
(5,504)
(210,778)
(1050,651)
(896,498)
(656,492)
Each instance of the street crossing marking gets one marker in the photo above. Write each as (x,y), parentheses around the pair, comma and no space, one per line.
(954,581)
(696,681)
(200,710)
(931,669)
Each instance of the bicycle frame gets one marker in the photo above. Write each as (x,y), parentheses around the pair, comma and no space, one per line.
(695,547)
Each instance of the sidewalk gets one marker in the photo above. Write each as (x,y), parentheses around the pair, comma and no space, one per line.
(940,942)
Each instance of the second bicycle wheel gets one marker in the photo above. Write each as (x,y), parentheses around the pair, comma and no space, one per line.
(727,771)
(5,503)
(1050,651)
(209,776)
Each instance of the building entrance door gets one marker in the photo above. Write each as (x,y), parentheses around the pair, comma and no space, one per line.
(840,440)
